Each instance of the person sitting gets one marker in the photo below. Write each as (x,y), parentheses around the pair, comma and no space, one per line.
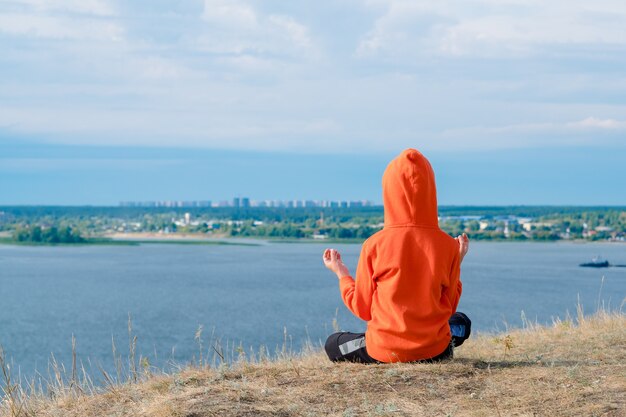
(408,284)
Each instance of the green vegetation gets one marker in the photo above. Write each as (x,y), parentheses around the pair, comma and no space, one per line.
(50,235)
(55,225)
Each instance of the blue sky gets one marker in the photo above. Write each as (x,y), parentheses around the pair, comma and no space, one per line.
(515,101)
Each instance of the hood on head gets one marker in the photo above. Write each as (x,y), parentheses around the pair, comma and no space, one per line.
(409,192)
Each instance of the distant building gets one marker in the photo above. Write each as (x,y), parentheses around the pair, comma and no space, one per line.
(245,202)
(538,225)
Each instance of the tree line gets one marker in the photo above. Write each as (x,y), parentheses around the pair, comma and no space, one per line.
(53,234)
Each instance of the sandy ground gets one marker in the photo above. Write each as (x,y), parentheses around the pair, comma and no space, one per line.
(576,367)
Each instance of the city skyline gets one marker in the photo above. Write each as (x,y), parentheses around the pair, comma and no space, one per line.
(246,202)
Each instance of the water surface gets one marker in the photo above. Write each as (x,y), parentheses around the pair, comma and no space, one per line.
(250,294)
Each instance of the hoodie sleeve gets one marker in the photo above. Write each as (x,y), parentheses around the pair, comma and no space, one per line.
(357,295)
(453,291)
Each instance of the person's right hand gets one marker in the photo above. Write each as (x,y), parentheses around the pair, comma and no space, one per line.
(463,245)
(332,260)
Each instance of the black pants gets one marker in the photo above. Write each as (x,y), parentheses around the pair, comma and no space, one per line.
(350,347)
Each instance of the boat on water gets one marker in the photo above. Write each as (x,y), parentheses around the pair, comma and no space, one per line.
(596,262)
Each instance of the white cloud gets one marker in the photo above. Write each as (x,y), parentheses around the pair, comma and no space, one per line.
(235,27)
(249,74)
(587,124)
(165,126)
(92,7)
(229,13)
(60,28)
(596,123)
(86,38)
(491,28)
(296,32)
(212,126)
(155,68)
(247,63)
(32,165)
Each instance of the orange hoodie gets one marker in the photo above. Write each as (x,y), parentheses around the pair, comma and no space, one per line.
(408,276)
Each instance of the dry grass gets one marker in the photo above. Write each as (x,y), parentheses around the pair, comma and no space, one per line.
(568,369)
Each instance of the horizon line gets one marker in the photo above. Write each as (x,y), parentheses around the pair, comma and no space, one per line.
(296,208)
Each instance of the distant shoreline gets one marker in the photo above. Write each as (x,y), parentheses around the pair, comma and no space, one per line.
(191,237)
(133,239)
(180,238)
